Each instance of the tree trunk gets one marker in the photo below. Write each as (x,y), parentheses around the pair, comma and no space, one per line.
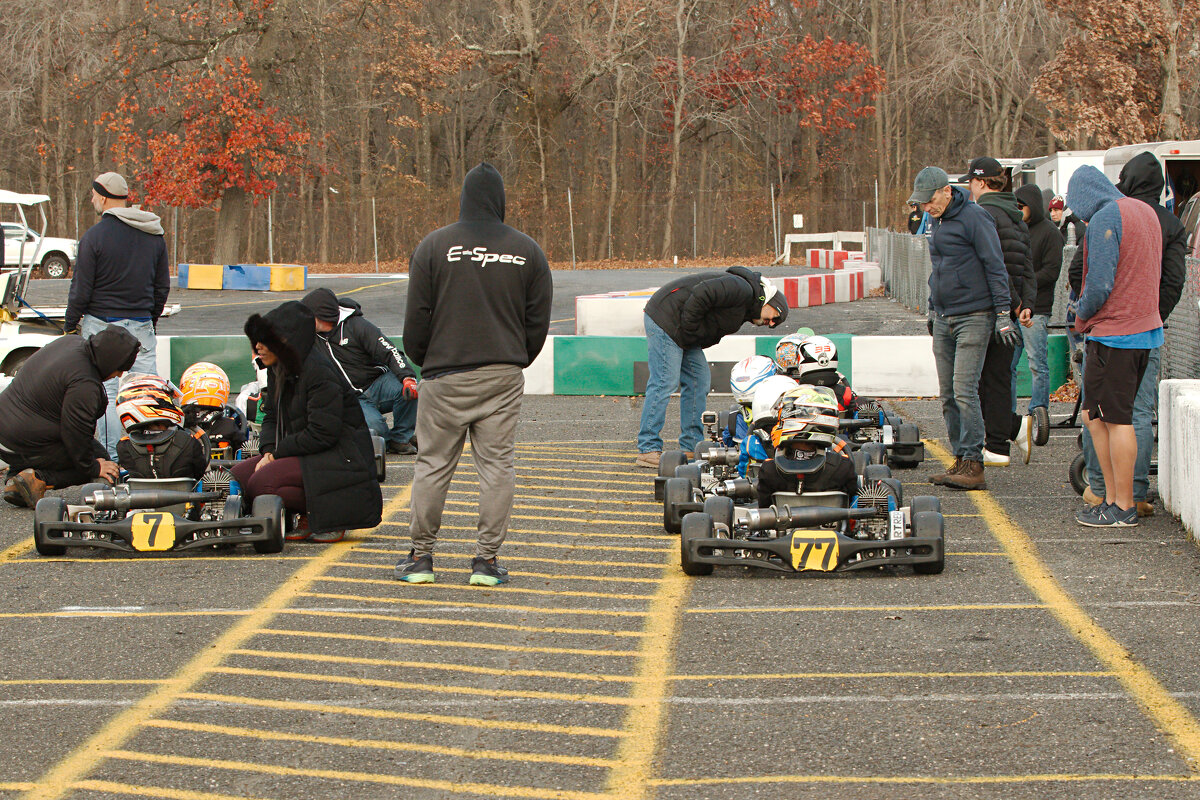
(676,128)
(231,227)
(1171,116)
(613,143)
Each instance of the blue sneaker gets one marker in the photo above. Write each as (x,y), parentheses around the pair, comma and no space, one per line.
(487,573)
(1092,515)
(415,570)
(1108,516)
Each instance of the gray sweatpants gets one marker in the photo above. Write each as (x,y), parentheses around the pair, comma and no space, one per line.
(484,402)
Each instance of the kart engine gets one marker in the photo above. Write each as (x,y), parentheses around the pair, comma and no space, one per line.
(216,479)
(874,495)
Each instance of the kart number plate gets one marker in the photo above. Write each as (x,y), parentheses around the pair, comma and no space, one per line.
(888,437)
(896,525)
(814,551)
(153,532)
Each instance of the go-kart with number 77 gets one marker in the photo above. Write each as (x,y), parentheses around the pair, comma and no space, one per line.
(157,515)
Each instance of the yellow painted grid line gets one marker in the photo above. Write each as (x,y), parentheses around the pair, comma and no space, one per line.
(458,604)
(121,728)
(484,789)
(12,786)
(614,459)
(525,474)
(552,545)
(586,499)
(424,587)
(586,518)
(380,713)
(1166,712)
(646,720)
(231,612)
(467,623)
(380,744)
(766,676)
(919,779)
(650,532)
(162,792)
(601,510)
(17,550)
(530,559)
(507,648)
(523,573)
(475,691)
(441,666)
(83,682)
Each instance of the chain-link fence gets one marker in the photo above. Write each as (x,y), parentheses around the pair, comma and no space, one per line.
(904,262)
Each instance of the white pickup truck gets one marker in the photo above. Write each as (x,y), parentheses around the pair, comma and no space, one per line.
(54,257)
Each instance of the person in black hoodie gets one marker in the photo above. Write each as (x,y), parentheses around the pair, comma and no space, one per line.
(478,312)
(1142,179)
(1046,244)
(371,365)
(681,319)
(987,181)
(48,414)
(316,452)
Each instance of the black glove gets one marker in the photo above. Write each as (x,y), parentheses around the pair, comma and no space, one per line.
(1006,333)
(929,323)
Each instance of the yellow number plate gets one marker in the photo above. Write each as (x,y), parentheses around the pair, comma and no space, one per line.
(815,551)
(152,532)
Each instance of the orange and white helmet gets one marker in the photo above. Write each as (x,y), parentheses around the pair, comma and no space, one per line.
(145,399)
(204,384)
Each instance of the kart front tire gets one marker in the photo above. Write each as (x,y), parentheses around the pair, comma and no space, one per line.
(675,491)
(720,509)
(702,449)
(695,526)
(876,452)
(270,507)
(932,525)
(668,461)
(1078,474)
(926,503)
(48,509)
(875,472)
(690,473)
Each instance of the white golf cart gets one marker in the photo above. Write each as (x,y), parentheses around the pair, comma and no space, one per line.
(23,330)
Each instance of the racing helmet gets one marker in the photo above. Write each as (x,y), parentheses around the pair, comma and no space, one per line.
(768,391)
(807,416)
(816,353)
(204,384)
(787,353)
(747,374)
(143,400)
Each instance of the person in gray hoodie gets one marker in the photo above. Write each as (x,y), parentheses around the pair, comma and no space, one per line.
(121,278)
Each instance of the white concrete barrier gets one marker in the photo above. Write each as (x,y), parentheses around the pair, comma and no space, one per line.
(894,366)
(1179,450)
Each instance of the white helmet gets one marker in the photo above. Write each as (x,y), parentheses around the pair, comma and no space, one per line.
(747,374)
(816,353)
(765,396)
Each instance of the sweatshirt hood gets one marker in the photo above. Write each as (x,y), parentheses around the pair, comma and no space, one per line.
(1142,178)
(288,331)
(1005,201)
(482,195)
(958,199)
(1031,196)
(1089,190)
(112,350)
(138,219)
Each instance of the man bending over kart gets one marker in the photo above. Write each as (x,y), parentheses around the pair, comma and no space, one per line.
(48,414)
(682,318)
(372,366)
(808,456)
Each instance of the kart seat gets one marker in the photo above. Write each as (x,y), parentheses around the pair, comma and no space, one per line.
(822,499)
(165,484)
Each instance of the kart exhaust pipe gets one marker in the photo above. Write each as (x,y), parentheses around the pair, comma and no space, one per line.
(722,456)
(857,424)
(122,498)
(736,488)
(773,518)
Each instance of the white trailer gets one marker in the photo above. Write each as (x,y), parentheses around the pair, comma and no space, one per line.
(1053,172)
(1181,167)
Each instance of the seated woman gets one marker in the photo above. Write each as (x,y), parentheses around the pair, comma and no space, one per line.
(315,448)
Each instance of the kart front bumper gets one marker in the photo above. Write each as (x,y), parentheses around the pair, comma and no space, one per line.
(852,554)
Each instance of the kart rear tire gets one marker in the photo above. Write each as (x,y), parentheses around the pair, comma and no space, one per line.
(1078,474)
(930,524)
(690,473)
(861,460)
(875,472)
(89,488)
(702,449)
(668,461)
(271,507)
(48,509)
(910,434)
(925,503)
(675,491)
(1041,426)
(720,509)
(876,452)
(695,526)
(896,489)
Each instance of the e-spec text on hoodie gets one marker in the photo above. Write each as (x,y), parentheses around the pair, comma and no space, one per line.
(482,256)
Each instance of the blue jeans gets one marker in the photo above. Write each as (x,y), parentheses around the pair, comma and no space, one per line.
(108,427)
(1145,403)
(671,366)
(1037,341)
(383,395)
(959,346)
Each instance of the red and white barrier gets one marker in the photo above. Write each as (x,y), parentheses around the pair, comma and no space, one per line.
(820,258)
(842,286)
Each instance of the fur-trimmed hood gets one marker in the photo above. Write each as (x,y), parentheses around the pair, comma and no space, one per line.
(288,331)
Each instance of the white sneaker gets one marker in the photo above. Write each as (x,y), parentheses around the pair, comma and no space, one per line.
(991,459)
(1023,437)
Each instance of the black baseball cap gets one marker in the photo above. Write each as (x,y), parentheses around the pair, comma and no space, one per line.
(985,167)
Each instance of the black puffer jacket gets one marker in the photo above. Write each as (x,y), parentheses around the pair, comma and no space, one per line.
(1142,179)
(314,414)
(58,395)
(1014,243)
(696,311)
(1046,245)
